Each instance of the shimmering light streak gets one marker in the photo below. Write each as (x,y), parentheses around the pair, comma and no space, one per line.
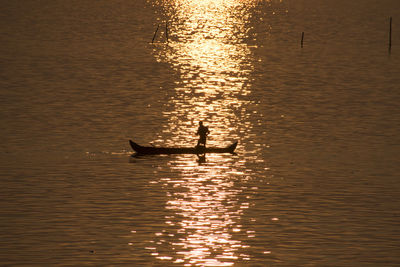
(208,52)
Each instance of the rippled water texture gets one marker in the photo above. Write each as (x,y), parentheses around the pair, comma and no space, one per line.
(315,178)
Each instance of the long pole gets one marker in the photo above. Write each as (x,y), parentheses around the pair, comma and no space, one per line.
(166,30)
(390,35)
(302,38)
(155,33)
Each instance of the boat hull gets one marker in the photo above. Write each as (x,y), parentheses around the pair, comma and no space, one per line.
(144,150)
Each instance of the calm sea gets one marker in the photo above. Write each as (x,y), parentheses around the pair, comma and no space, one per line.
(315,181)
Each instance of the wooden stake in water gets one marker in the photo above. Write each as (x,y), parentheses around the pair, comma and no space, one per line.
(302,38)
(390,35)
(155,33)
(166,30)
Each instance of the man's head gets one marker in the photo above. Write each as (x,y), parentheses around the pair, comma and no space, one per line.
(201,123)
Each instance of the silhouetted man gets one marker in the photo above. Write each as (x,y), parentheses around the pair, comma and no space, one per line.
(203,132)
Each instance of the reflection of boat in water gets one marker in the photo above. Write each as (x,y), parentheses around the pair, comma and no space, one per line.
(146,150)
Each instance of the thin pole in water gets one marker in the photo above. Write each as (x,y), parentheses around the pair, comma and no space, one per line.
(390,35)
(166,30)
(302,38)
(155,33)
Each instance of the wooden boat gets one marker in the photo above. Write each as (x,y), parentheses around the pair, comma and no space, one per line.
(148,150)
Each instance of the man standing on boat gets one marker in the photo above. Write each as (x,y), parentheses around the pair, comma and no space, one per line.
(203,132)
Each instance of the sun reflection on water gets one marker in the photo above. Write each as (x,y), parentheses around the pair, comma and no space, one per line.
(213,62)
(205,213)
(207,51)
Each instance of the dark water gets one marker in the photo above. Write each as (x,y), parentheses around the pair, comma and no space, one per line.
(315,178)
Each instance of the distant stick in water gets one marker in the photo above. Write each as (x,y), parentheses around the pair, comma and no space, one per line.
(166,30)
(390,35)
(155,33)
